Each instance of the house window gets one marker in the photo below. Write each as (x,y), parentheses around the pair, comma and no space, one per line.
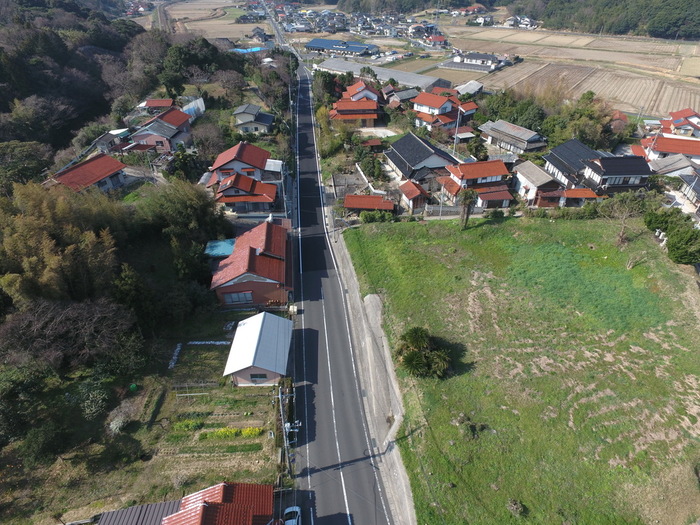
(159,143)
(238,298)
(258,377)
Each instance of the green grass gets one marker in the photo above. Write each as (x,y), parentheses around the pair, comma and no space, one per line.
(571,371)
(232,13)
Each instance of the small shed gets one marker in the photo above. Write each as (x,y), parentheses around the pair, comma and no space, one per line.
(259,350)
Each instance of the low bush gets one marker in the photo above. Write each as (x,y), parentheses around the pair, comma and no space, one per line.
(231,433)
(188,425)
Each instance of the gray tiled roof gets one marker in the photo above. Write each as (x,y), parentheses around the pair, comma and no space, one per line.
(671,163)
(149,514)
(404,78)
(160,128)
(251,109)
(533,173)
(693,182)
(512,130)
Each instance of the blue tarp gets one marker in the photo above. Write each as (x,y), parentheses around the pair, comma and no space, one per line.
(220,248)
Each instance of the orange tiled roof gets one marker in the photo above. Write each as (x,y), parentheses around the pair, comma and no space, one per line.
(355,105)
(580,193)
(89,172)
(672,145)
(412,190)
(449,185)
(174,117)
(243,152)
(260,251)
(430,100)
(478,170)
(367,202)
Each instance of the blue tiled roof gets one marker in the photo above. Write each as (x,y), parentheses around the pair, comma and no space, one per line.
(219,248)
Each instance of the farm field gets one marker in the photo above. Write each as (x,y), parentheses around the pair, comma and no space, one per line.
(414,64)
(211,19)
(184,430)
(691,67)
(457,76)
(625,90)
(575,389)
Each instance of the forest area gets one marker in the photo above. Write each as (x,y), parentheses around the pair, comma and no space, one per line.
(91,284)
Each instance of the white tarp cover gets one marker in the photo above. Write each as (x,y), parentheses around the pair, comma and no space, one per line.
(262,341)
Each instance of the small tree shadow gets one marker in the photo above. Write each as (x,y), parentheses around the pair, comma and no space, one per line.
(458,352)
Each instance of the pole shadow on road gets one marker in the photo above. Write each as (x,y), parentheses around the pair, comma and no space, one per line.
(337,466)
(306,380)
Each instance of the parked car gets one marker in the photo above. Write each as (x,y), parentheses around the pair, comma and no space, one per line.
(292,516)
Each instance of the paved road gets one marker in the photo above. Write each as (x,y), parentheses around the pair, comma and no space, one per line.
(337,476)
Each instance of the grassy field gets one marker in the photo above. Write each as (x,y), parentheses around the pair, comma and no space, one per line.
(173,442)
(575,388)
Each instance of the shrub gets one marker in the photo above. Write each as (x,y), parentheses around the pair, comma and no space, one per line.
(496,215)
(231,432)
(188,425)
(419,356)
(376,216)
(252,432)
(684,245)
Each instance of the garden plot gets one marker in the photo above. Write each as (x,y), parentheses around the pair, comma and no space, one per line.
(691,67)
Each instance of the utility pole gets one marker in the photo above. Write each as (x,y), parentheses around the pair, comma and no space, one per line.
(459,116)
(287,428)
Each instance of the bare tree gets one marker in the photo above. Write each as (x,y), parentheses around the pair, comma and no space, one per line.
(467,200)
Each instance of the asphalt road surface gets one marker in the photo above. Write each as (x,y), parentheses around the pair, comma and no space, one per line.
(337,479)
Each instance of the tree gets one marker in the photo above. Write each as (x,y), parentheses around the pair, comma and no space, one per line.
(467,200)
(64,335)
(233,83)
(477,149)
(621,207)
(209,140)
(419,356)
(684,245)
(22,162)
(367,73)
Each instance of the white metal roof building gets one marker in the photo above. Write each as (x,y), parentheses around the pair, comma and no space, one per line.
(260,350)
(404,78)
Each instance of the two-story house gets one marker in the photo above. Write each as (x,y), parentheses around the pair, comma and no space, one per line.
(530,182)
(441,111)
(414,158)
(615,174)
(258,271)
(364,111)
(361,90)
(487,178)
(165,131)
(512,137)
(250,118)
(565,162)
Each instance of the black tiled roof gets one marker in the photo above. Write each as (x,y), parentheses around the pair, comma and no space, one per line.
(620,166)
(414,150)
(569,156)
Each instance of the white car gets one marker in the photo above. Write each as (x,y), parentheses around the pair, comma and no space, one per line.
(292,516)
